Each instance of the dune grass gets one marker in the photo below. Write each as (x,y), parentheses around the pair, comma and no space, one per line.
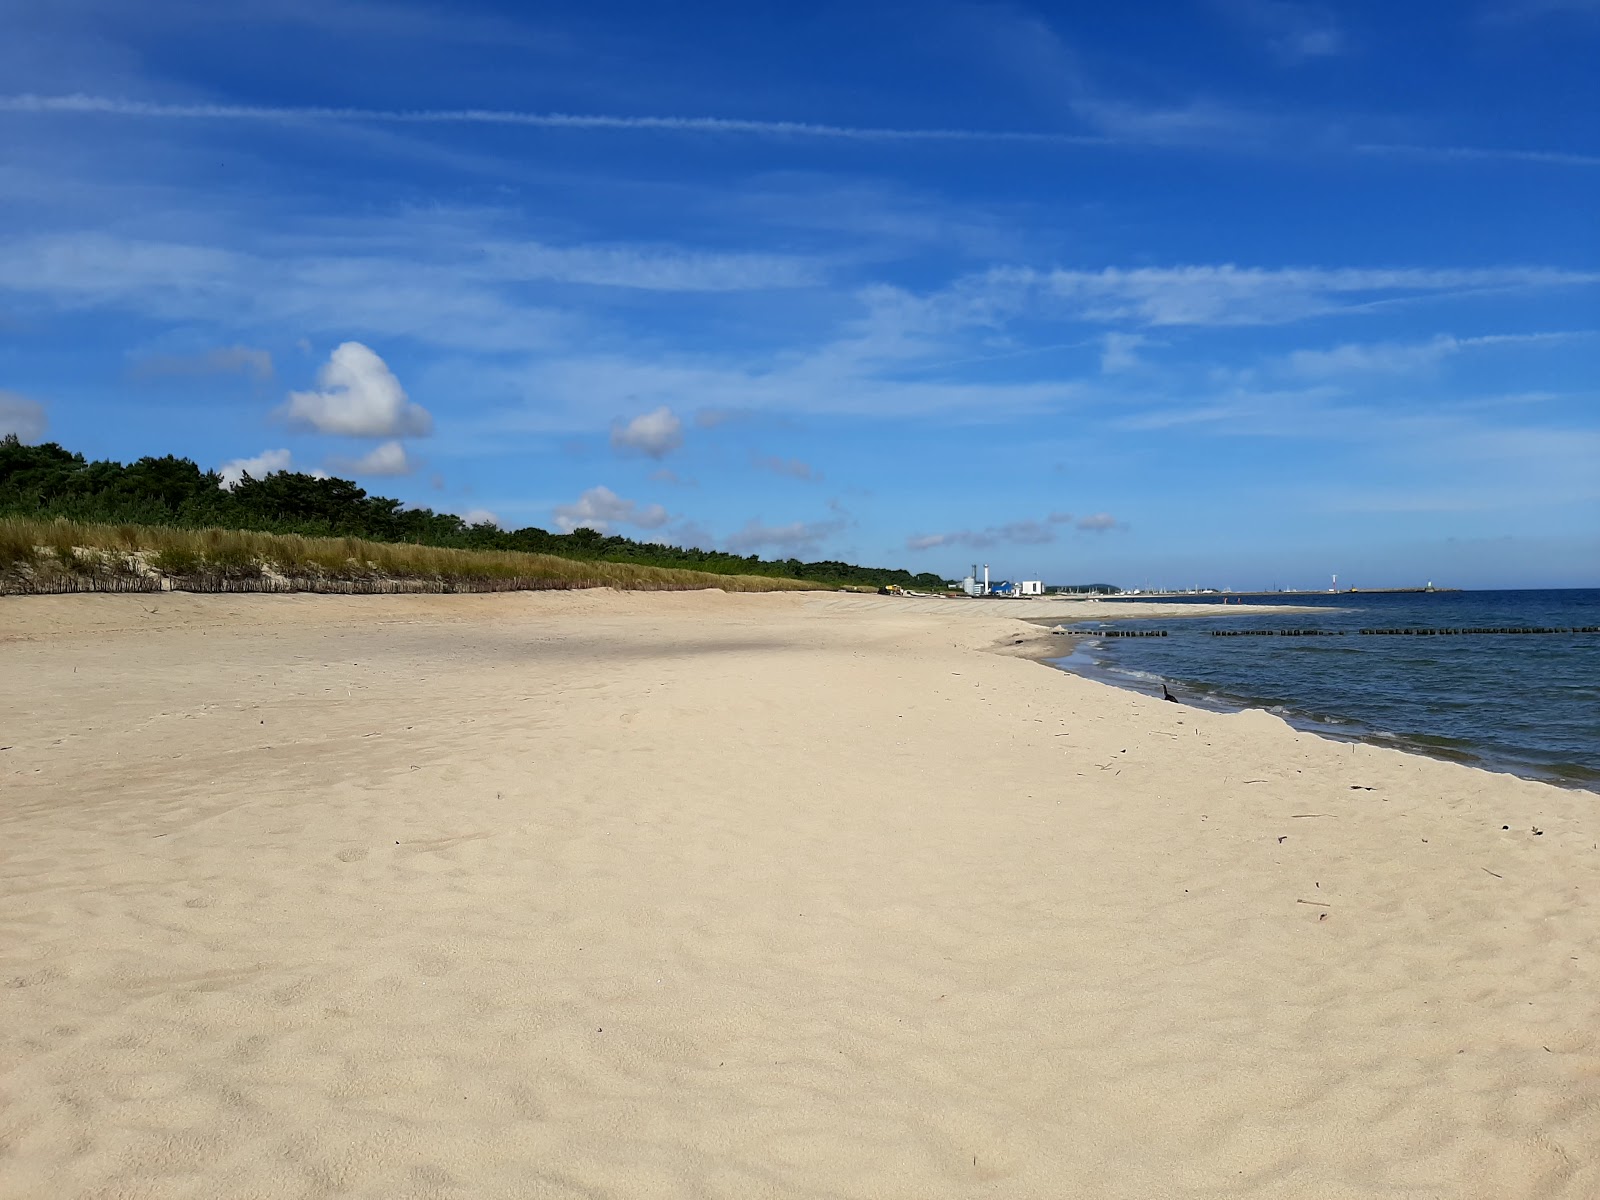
(69,556)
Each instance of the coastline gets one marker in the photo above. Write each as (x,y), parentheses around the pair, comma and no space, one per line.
(696,893)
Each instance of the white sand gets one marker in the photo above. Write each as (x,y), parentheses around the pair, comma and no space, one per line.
(701,895)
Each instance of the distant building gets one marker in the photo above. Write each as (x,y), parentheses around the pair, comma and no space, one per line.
(1030,587)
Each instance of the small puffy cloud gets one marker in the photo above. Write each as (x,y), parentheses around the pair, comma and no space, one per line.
(359,397)
(1013,533)
(225,360)
(1099,523)
(21,416)
(601,509)
(656,434)
(479,516)
(792,467)
(387,459)
(259,467)
(792,538)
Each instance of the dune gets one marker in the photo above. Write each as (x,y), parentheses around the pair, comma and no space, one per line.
(804,895)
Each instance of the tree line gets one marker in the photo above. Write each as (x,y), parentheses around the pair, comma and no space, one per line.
(47,480)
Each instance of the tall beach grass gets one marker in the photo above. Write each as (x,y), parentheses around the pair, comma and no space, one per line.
(38,556)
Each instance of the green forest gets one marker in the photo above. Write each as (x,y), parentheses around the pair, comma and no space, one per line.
(46,480)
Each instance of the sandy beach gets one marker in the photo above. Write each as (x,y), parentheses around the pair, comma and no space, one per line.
(810,895)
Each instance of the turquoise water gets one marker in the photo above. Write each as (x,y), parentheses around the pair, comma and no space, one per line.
(1524,703)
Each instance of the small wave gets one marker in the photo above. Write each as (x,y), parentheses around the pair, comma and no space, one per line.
(1131,673)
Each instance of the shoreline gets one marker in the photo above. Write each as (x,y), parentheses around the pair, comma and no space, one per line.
(684,894)
(1522,763)
(1330,728)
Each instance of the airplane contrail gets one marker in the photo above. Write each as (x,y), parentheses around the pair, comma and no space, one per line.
(112,107)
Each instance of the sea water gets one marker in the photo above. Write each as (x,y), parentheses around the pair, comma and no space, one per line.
(1524,703)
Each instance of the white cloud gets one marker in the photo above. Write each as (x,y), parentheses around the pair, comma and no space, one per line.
(790,539)
(480,516)
(386,459)
(225,360)
(21,416)
(360,397)
(656,433)
(259,467)
(601,509)
(791,467)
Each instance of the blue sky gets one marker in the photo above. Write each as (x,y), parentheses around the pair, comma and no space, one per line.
(1232,293)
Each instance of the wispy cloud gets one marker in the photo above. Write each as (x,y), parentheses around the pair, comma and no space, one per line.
(1290,30)
(1512,12)
(1403,357)
(1120,352)
(224,360)
(1471,154)
(792,468)
(1013,533)
(649,269)
(794,538)
(1206,295)
(1100,523)
(21,416)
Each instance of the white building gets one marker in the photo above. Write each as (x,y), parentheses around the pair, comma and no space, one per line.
(1030,587)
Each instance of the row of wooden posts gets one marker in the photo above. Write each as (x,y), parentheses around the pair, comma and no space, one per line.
(1496,629)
